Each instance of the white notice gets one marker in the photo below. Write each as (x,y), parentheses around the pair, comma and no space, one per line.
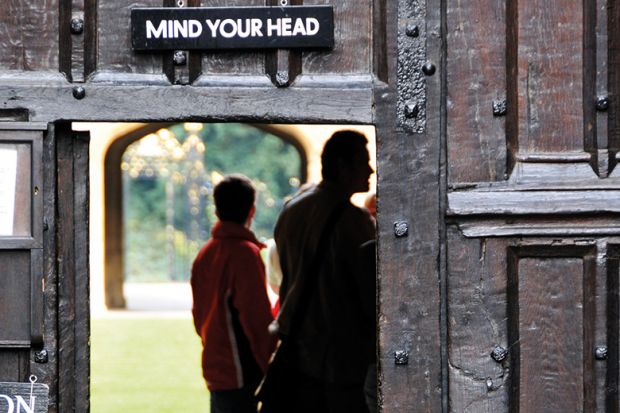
(8,176)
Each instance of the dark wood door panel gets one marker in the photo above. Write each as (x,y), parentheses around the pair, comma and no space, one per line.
(477,305)
(540,303)
(551,327)
(29,35)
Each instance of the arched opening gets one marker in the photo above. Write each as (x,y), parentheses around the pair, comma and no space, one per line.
(178,150)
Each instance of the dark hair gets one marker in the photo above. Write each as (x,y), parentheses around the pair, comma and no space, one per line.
(234,197)
(342,146)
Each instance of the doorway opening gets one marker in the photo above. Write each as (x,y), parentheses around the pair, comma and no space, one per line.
(150,187)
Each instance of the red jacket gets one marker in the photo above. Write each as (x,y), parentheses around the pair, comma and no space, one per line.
(231,309)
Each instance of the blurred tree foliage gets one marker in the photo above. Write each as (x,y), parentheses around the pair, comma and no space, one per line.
(154,254)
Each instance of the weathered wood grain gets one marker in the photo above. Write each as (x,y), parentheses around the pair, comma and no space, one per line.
(408,190)
(13,364)
(235,102)
(114,52)
(533,202)
(549,57)
(67,320)
(551,313)
(612,327)
(15,296)
(477,303)
(29,35)
(476,75)
(353,40)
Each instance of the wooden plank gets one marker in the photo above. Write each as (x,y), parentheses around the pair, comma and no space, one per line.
(551,317)
(66,270)
(476,70)
(13,364)
(82,282)
(613,66)
(114,46)
(15,295)
(29,35)
(533,202)
(477,305)
(47,372)
(546,42)
(613,326)
(409,293)
(353,40)
(237,102)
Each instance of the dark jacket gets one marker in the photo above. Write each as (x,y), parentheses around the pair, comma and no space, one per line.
(336,337)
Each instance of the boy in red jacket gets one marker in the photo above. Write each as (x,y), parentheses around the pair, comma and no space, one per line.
(231,309)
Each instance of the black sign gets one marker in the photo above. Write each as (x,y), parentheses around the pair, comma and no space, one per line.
(24,398)
(207,28)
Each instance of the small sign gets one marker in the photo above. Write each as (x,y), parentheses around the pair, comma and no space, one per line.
(24,397)
(8,176)
(210,28)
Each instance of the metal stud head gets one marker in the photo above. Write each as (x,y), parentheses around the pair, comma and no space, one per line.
(282,78)
(602,103)
(41,357)
(401,229)
(77,26)
(411,110)
(401,358)
(499,107)
(429,69)
(412,30)
(601,353)
(179,58)
(499,354)
(79,92)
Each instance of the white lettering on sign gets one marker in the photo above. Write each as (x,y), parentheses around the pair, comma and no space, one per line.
(229,28)
(172,29)
(21,403)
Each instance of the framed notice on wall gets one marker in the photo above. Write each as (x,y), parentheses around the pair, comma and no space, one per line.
(8,176)
(15,193)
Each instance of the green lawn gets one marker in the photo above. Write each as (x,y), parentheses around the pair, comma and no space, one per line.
(146,366)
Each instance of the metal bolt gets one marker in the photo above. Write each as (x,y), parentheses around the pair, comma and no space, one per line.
(489,384)
(77,26)
(602,103)
(282,78)
(401,358)
(411,110)
(401,229)
(499,354)
(499,107)
(601,353)
(179,58)
(79,92)
(412,30)
(41,357)
(429,69)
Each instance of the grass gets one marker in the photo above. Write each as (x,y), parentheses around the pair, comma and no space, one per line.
(146,366)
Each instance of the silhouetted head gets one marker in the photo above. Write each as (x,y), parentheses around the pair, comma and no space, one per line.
(345,161)
(234,199)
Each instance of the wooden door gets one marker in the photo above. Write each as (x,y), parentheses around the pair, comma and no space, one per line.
(498,207)
(532,206)
(44,260)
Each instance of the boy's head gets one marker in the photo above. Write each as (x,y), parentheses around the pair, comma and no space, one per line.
(234,198)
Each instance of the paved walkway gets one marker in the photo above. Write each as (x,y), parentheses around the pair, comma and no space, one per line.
(154,300)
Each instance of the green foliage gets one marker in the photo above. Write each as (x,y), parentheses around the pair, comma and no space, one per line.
(273,165)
